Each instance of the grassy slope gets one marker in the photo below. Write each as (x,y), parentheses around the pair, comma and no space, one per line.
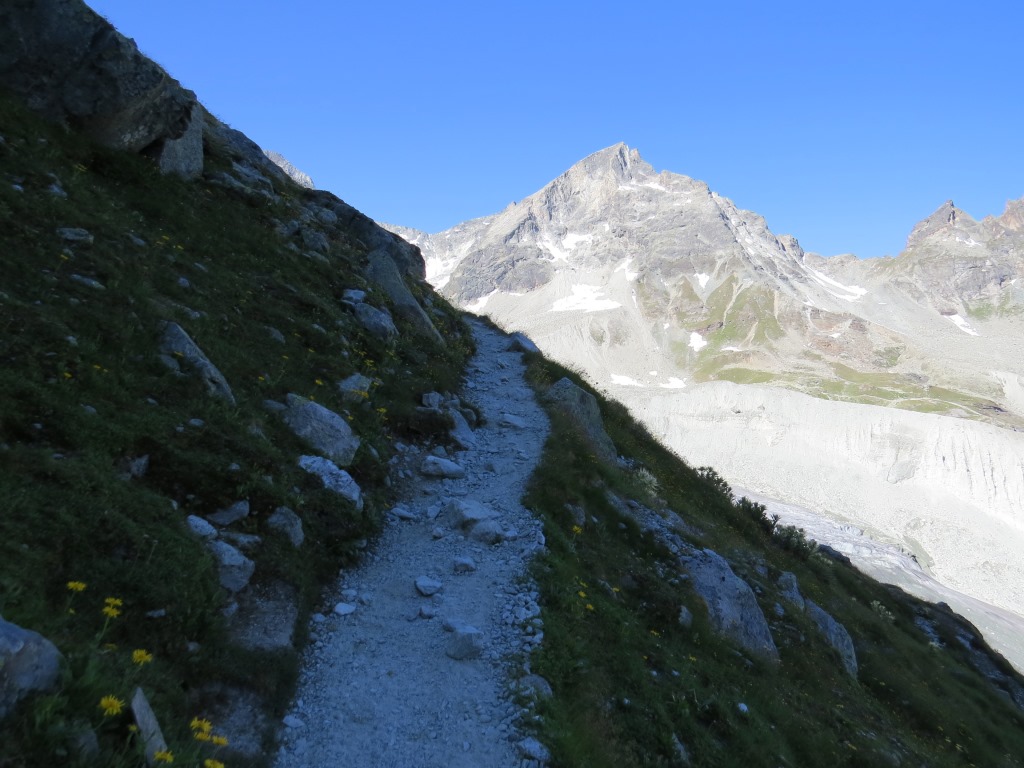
(629,679)
(67,513)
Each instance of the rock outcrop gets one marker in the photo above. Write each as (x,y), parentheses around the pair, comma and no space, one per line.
(176,344)
(581,407)
(835,634)
(322,428)
(71,65)
(732,606)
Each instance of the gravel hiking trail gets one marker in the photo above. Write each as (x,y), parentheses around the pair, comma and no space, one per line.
(379,685)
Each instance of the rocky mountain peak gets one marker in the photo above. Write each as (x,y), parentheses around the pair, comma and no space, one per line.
(299,177)
(947,216)
(617,163)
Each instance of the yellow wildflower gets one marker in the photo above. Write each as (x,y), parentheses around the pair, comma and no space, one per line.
(111,705)
(199,724)
(163,756)
(202,736)
(319,382)
(111,612)
(211,763)
(590,607)
(577,530)
(220,741)
(581,593)
(115,602)
(76,586)
(141,656)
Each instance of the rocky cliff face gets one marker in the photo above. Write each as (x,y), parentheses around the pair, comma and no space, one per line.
(72,66)
(663,291)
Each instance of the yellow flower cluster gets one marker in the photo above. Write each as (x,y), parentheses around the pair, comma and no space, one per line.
(163,756)
(112,607)
(141,656)
(76,586)
(111,705)
(202,730)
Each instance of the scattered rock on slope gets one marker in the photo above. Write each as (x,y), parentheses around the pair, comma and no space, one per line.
(29,663)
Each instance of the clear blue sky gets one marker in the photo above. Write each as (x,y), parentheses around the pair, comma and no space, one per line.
(841,123)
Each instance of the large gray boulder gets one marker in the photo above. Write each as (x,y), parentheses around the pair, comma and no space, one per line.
(178,344)
(29,663)
(322,428)
(184,156)
(835,635)
(732,607)
(233,568)
(382,271)
(581,407)
(334,479)
(377,322)
(69,64)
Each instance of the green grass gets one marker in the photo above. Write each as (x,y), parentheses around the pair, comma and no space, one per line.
(82,393)
(629,681)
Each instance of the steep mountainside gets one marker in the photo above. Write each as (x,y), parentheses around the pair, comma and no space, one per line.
(670,297)
(218,388)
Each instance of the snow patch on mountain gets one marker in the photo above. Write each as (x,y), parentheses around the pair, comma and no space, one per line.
(962,324)
(849,292)
(697,342)
(584,298)
(625,381)
(624,268)
(673,383)
(476,306)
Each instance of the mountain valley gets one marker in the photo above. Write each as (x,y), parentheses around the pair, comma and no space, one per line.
(884,393)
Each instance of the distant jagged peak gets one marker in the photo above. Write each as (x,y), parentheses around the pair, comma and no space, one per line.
(617,162)
(1013,216)
(946,217)
(299,177)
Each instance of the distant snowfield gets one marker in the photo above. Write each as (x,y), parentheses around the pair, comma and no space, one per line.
(624,267)
(697,342)
(673,383)
(962,324)
(849,292)
(584,298)
(478,304)
(625,381)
